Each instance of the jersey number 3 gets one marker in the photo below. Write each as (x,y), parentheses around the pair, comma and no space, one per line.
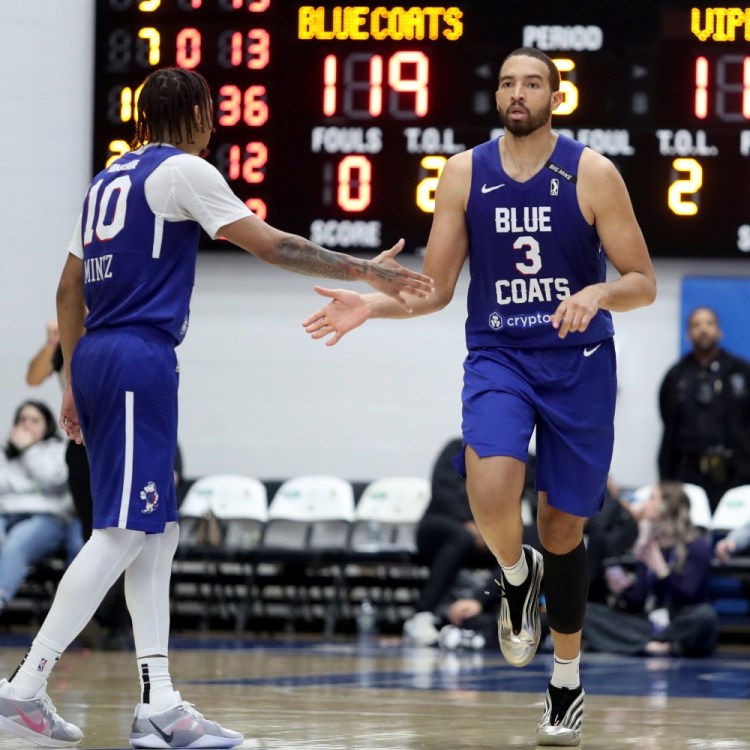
(532,259)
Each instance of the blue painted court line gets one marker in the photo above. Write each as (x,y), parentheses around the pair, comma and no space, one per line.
(429,669)
(726,677)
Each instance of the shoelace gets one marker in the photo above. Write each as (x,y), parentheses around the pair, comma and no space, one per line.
(191,709)
(47,703)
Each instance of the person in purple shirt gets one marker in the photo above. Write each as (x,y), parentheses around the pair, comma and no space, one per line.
(537,215)
(660,603)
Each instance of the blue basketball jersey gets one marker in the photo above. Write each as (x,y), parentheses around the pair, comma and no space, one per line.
(139,270)
(530,247)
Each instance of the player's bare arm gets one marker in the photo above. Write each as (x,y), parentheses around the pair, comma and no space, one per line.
(445,254)
(295,253)
(605,202)
(71,311)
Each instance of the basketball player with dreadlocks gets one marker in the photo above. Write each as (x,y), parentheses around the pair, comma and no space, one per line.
(131,264)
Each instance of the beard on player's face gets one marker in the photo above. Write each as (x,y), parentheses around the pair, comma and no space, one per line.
(522,128)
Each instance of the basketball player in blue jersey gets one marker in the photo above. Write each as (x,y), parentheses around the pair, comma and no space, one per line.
(131,263)
(535,212)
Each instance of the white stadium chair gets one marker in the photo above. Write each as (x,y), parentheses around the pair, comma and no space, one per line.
(733,509)
(388,512)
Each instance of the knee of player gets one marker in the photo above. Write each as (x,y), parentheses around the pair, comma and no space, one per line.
(559,539)
(559,532)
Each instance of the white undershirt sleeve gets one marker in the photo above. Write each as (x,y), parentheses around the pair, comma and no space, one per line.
(187,187)
(75,246)
(184,188)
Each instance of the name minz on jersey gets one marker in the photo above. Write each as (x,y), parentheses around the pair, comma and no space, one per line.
(97,269)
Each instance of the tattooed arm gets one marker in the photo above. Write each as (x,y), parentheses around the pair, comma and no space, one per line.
(294,253)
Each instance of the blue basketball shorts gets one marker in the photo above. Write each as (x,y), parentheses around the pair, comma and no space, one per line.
(568,394)
(125,384)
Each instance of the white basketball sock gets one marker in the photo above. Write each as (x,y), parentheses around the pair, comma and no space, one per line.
(156,683)
(34,670)
(565,672)
(516,574)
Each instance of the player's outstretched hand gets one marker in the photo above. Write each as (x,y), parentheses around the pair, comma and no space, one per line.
(345,312)
(69,417)
(391,278)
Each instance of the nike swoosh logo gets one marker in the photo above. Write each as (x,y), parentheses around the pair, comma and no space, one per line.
(589,352)
(489,189)
(166,737)
(34,726)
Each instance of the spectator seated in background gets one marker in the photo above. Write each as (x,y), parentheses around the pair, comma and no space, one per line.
(735,543)
(36,509)
(609,534)
(476,614)
(660,604)
(447,541)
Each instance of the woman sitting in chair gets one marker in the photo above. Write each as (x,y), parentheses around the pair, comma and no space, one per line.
(661,605)
(36,509)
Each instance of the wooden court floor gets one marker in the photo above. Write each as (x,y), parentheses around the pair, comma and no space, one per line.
(312,695)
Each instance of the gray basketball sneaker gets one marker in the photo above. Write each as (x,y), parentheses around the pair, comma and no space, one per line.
(180,726)
(562,718)
(518,625)
(35,719)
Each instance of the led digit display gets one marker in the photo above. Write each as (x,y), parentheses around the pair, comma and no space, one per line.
(335,121)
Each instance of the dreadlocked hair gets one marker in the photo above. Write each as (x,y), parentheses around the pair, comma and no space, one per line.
(166,107)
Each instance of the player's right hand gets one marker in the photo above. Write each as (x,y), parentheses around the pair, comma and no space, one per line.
(345,312)
(69,417)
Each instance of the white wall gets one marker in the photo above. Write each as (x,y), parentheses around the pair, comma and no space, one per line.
(46,54)
(257,395)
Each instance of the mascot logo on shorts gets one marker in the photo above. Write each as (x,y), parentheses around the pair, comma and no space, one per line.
(150,496)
